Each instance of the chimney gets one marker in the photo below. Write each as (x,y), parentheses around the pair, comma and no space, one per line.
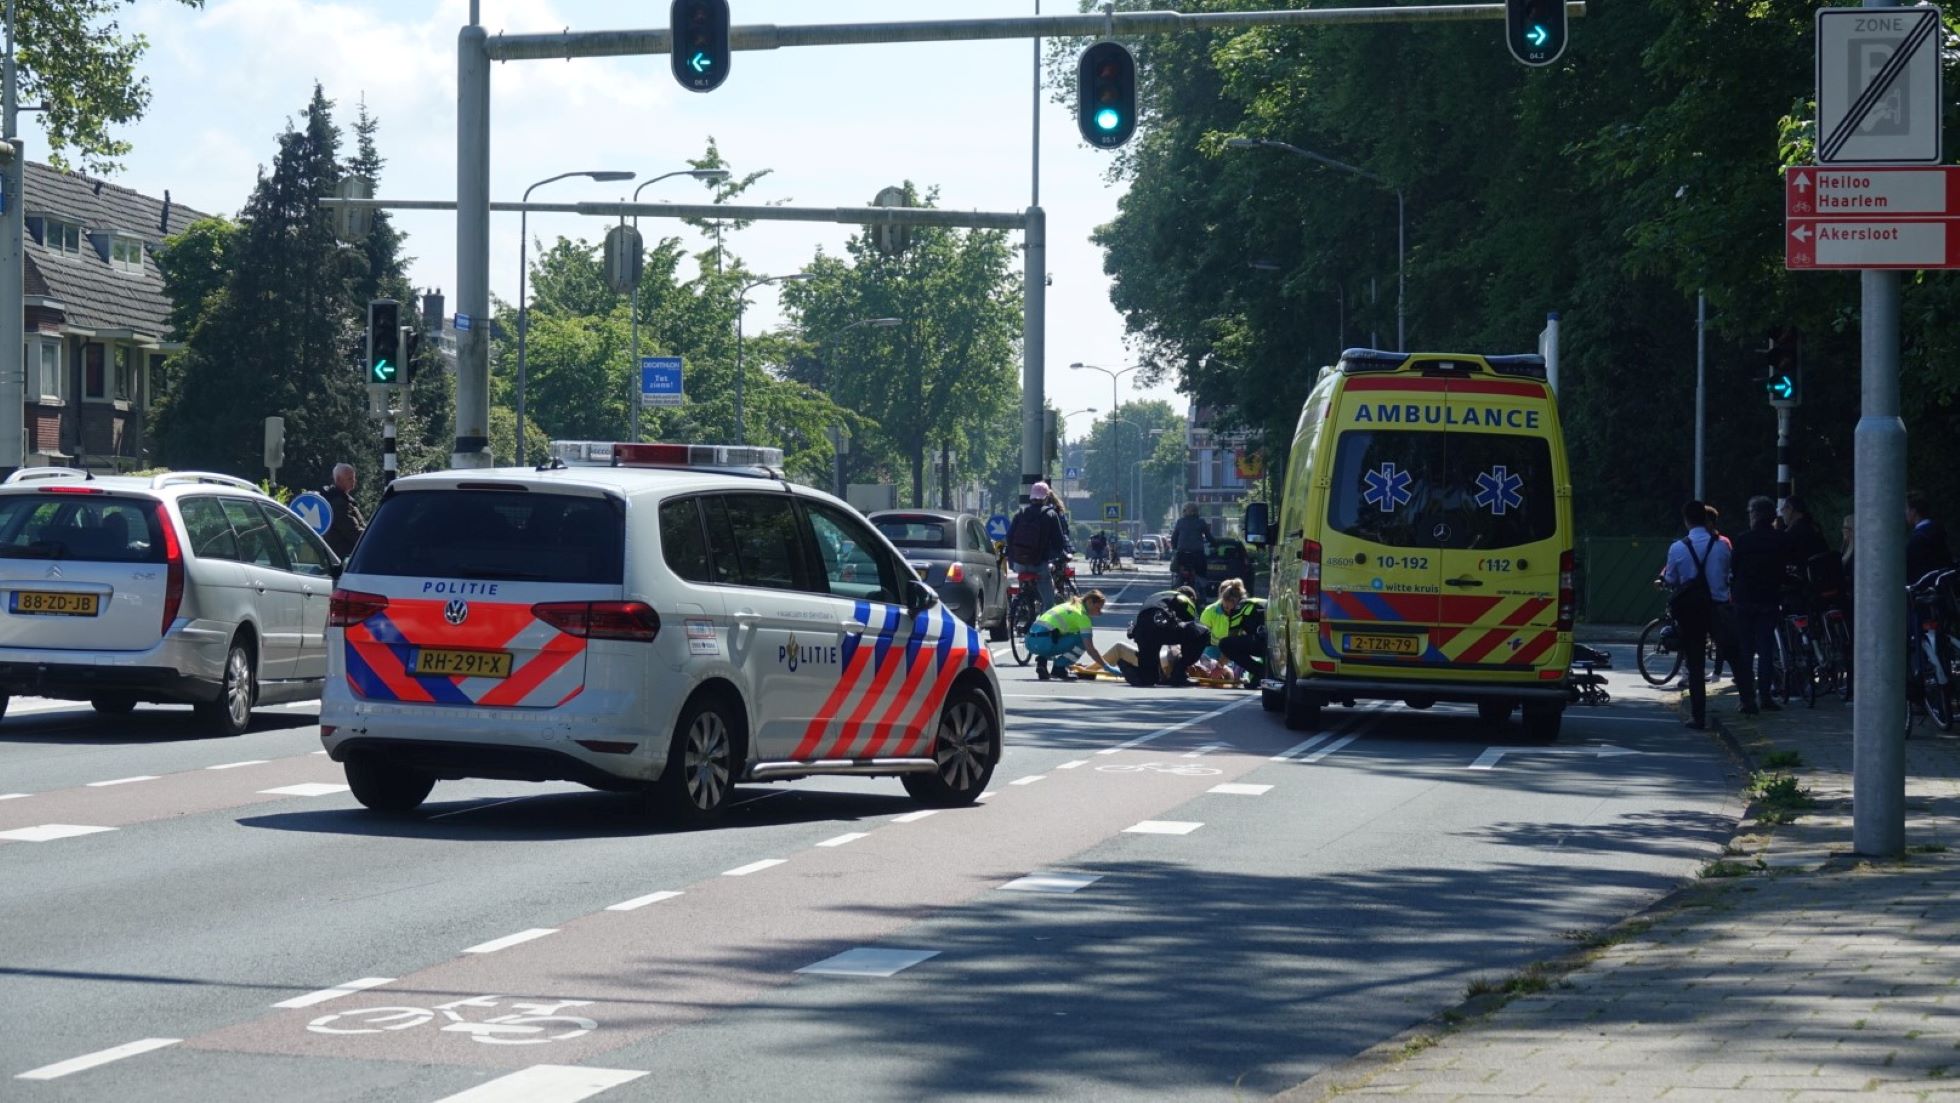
(163,224)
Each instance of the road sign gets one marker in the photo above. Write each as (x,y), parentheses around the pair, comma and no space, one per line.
(1112,511)
(462,323)
(660,381)
(997,528)
(1871,243)
(314,509)
(1878,85)
(1071,472)
(1886,192)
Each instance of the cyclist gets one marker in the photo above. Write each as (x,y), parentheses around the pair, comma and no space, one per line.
(1168,619)
(1237,628)
(1099,551)
(1190,542)
(1035,539)
(1062,634)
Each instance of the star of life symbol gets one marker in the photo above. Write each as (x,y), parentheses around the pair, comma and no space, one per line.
(1387,488)
(1499,491)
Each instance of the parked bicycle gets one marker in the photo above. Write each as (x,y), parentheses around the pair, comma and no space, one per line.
(1933,656)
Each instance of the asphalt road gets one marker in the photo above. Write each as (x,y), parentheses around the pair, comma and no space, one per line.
(1218,907)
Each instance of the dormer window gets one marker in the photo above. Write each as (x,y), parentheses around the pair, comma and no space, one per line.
(62,237)
(126,254)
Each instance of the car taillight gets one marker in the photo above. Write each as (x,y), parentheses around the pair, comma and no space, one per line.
(347,608)
(173,568)
(1310,580)
(956,573)
(1568,600)
(601,620)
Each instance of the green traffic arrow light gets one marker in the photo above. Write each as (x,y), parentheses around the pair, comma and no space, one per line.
(700,62)
(1783,387)
(384,372)
(1108,119)
(1538,35)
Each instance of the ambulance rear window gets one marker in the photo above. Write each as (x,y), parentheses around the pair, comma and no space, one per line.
(1463,490)
(502,535)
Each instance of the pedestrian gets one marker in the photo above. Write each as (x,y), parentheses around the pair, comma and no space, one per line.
(1698,572)
(1061,635)
(1809,551)
(1761,569)
(348,524)
(1167,632)
(1035,540)
(1926,547)
(1190,541)
(1237,625)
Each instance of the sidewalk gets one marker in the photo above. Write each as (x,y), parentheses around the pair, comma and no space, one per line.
(1789,971)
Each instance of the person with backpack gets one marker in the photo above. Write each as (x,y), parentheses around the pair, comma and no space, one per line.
(1035,539)
(1168,619)
(1697,572)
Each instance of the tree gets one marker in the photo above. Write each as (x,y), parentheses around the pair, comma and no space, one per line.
(1115,446)
(74,59)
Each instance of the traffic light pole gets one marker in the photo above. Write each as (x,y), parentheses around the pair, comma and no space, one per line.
(1785,485)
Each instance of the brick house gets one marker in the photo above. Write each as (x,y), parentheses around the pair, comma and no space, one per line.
(98,321)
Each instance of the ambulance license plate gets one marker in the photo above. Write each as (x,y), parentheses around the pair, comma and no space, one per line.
(442,663)
(49,603)
(1355,644)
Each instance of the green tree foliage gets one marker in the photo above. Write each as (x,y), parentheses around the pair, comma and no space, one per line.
(75,61)
(1114,448)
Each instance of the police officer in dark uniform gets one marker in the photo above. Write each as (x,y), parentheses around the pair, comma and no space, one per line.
(1169,618)
(348,524)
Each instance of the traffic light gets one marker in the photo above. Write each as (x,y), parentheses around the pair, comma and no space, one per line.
(1535,30)
(1784,356)
(411,348)
(1106,95)
(699,53)
(384,339)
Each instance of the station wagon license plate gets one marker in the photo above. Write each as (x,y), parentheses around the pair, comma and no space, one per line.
(49,603)
(1353,643)
(443,663)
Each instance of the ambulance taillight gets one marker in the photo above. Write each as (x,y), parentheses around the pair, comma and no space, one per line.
(1310,580)
(1568,600)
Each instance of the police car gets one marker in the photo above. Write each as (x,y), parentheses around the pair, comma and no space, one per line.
(674,623)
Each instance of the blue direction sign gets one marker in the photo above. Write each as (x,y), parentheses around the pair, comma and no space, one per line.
(997,527)
(314,509)
(660,381)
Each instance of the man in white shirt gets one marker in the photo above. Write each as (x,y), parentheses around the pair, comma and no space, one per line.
(1697,556)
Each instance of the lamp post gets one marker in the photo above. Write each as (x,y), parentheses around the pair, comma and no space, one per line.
(1115,407)
(741,307)
(633,390)
(1401,221)
(523,274)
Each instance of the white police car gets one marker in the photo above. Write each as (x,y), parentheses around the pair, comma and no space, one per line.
(674,623)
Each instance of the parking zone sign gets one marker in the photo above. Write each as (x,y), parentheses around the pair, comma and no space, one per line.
(1878,86)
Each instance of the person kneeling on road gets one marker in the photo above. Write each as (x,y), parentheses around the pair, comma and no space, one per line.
(1237,625)
(1063,633)
(1168,620)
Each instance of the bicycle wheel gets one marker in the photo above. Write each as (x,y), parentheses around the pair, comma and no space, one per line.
(1840,637)
(1810,671)
(1936,682)
(1022,618)
(1656,654)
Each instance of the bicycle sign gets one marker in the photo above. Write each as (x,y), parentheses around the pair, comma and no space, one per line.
(531,1023)
(1177,769)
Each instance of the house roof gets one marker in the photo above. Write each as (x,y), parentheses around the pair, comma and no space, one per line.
(92,293)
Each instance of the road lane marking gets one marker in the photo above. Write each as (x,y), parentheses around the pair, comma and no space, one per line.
(319,752)
(1161,732)
(1204,750)
(754,867)
(309,789)
(844,839)
(639,902)
(481,807)
(1163,827)
(868,961)
(1029,780)
(1236,789)
(986,796)
(337,991)
(1302,745)
(915,817)
(546,1084)
(1330,748)
(48,832)
(1052,882)
(91,1060)
(121,781)
(1073,765)
(11,796)
(236,765)
(510,940)
(1490,758)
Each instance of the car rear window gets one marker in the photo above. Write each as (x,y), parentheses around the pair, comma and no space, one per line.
(97,528)
(511,536)
(1421,489)
(917,532)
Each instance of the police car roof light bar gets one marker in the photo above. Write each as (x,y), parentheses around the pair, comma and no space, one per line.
(696,455)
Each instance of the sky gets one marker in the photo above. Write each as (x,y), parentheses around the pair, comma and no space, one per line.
(835,124)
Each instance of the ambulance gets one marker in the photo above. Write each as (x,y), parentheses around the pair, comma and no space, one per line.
(1423,550)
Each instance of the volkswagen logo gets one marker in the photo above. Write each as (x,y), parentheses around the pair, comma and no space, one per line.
(457,611)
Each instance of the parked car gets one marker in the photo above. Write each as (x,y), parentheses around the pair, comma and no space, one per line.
(1228,559)
(186,587)
(952,554)
(1126,549)
(1147,550)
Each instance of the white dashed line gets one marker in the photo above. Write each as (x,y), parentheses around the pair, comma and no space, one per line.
(1302,745)
(1235,789)
(639,902)
(868,961)
(847,837)
(91,1060)
(754,867)
(48,832)
(236,765)
(121,781)
(1029,780)
(1163,827)
(1205,750)
(1052,882)
(510,940)
(546,1084)
(1330,748)
(915,817)
(986,796)
(309,789)
(1073,765)
(337,991)
(11,796)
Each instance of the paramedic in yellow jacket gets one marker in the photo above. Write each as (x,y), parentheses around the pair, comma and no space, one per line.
(1063,633)
(1238,627)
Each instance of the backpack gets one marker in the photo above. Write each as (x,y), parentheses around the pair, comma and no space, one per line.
(1694,601)
(1024,538)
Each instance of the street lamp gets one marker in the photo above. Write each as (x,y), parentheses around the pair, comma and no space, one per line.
(1401,222)
(633,390)
(741,307)
(523,274)
(1115,407)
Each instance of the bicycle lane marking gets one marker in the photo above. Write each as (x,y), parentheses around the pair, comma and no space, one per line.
(725,942)
(186,793)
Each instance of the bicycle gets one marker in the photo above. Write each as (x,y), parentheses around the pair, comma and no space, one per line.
(1933,656)
(524,1028)
(1798,650)
(1659,655)
(1063,577)
(1175,770)
(1023,606)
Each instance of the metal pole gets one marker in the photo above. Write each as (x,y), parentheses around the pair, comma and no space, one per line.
(523,316)
(388,466)
(472,448)
(1551,351)
(1401,272)
(1033,350)
(13,321)
(1034,192)
(1116,444)
(1878,751)
(741,307)
(1701,395)
(1784,483)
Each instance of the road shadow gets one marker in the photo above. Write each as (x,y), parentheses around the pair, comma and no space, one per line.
(82,726)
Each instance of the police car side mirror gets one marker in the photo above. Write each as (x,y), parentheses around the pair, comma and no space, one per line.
(1256,524)
(919,597)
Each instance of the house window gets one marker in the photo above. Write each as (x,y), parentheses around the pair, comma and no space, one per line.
(125,373)
(126,254)
(44,376)
(62,237)
(95,379)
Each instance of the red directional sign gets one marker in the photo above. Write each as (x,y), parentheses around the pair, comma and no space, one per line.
(1883,192)
(1872,243)
(1872,217)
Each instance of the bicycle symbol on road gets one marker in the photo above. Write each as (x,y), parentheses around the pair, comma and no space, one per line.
(1174,768)
(531,1024)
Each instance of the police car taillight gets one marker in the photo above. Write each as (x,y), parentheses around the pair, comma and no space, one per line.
(347,608)
(695,455)
(601,620)
(1310,580)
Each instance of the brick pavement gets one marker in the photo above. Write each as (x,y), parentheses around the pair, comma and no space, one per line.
(1809,975)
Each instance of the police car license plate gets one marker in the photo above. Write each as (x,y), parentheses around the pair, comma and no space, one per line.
(1381,645)
(442,663)
(45,603)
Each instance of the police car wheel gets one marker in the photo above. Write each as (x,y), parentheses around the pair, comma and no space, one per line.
(965,749)
(385,786)
(694,787)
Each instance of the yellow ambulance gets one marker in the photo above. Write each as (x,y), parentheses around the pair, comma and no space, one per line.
(1423,550)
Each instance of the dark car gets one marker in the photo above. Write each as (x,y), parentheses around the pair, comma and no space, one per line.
(952,554)
(1228,559)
